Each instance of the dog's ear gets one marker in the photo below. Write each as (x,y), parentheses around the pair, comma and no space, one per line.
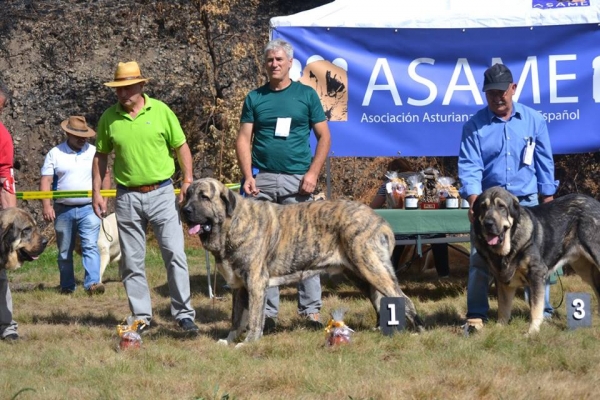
(477,206)
(7,237)
(230,201)
(514,207)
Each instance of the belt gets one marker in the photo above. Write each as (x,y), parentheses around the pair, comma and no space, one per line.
(146,188)
(527,196)
(74,205)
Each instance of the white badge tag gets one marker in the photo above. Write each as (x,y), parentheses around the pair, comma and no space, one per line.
(528,158)
(282,129)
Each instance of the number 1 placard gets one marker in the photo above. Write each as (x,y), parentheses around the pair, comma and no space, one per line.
(392,315)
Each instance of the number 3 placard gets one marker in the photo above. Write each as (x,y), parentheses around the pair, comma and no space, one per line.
(579,312)
(391,315)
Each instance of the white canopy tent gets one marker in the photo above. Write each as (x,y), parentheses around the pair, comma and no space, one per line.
(441,14)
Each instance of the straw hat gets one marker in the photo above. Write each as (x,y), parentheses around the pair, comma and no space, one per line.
(127,74)
(76,126)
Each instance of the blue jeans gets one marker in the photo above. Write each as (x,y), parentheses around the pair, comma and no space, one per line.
(69,221)
(479,279)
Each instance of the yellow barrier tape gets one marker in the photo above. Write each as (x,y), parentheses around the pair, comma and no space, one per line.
(64,194)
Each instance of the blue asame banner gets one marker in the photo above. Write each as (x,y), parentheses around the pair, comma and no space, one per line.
(408,92)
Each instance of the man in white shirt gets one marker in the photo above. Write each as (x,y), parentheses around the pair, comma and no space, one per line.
(68,166)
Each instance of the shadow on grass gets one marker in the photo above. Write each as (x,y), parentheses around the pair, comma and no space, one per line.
(435,290)
(29,287)
(67,318)
(416,284)
(161,331)
(205,316)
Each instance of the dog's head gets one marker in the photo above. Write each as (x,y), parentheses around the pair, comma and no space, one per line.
(20,238)
(208,204)
(495,212)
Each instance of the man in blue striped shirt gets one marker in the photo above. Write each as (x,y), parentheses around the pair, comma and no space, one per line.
(504,144)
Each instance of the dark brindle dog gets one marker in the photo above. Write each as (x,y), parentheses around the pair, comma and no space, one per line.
(523,245)
(20,238)
(257,244)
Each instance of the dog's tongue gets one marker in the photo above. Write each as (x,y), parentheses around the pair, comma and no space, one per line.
(34,257)
(493,240)
(195,229)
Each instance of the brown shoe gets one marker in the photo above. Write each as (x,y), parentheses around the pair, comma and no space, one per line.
(96,288)
(316,317)
(473,325)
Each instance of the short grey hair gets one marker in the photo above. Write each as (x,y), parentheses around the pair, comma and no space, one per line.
(280,44)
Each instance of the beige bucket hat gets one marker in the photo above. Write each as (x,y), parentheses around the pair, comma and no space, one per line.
(127,74)
(77,126)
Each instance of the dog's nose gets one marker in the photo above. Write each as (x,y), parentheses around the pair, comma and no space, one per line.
(186,211)
(488,224)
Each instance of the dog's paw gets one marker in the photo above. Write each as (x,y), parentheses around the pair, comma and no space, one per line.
(240,345)
(532,333)
(534,327)
(223,342)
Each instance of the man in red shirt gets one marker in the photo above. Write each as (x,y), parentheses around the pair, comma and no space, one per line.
(8,198)
(7,182)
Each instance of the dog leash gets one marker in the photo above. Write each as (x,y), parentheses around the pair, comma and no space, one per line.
(212,295)
(562,293)
(106,234)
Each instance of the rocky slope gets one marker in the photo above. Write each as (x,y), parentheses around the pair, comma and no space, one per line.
(202,57)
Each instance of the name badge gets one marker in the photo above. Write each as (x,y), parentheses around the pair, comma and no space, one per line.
(528,158)
(282,129)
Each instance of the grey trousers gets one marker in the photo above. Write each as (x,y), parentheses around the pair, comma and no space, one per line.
(283,189)
(159,209)
(7,325)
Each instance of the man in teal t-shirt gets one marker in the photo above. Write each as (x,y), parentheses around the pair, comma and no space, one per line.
(274,138)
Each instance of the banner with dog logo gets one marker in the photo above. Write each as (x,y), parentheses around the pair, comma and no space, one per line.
(405,90)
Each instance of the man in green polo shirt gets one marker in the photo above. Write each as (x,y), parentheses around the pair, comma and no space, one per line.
(143,132)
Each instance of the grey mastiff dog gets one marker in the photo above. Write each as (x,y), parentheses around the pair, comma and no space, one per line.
(20,238)
(523,245)
(259,244)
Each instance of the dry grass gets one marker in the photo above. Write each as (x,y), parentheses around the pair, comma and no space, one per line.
(69,347)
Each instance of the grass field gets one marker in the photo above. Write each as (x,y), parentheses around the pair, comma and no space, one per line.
(69,346)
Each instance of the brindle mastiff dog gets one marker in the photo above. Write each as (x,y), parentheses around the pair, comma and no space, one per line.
(523,245)
(20,238)
(258,244)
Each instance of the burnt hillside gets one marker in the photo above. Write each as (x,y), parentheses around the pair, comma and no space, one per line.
(202,56)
